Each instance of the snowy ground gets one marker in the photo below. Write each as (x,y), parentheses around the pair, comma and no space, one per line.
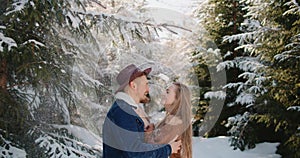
(217,147)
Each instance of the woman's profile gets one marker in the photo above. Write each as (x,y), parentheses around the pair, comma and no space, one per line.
(177,122)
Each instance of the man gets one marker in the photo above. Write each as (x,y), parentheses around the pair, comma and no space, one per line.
(123,128)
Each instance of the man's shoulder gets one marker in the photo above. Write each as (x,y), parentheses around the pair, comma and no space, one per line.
(120,106)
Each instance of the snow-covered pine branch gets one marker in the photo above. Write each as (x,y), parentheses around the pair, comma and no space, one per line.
(254,9)
(249,64)
(6,41)
(294,108)
(210,57)
(237,125)
(234,85)
(215,94)
(9,149)
(253,84)
(251,37)
(293,47)
(61,143)
(292,50)
(80,18)
(245,99)
(242,38)
(225,65)
(294,7)
(125,23)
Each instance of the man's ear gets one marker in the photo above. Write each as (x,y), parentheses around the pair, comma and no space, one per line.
(132,84)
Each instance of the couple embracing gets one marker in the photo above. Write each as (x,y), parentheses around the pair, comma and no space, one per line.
(127,131)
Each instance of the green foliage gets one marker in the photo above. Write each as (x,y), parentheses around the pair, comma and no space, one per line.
(272,37)
(40,40)
(285,88)
(36,62)
(241,132)
(281,125)
(222,17)
(291,147)
(209,81)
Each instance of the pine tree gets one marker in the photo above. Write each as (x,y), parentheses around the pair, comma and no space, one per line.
(40,47)
(35,68)
(221,18)
(270,37)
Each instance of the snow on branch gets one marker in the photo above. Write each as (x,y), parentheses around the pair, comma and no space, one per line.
(243,63)
(6,41)
(238,85)
(86,79)
(238,124)
(286,55)
(249,64)
(8,149)
(251,39)
(294,108)
(124,25)
(245,99)
(76,16)
(294,7)
(215,94)
(292,52)
(60,143)
(247,75)
(242,37)
(254,8)
(17,6)
(226,65)
(255,89)
(248,48)
(235,120)
(233,85)
(36,43)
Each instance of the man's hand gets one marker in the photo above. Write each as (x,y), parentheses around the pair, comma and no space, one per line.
(149,128)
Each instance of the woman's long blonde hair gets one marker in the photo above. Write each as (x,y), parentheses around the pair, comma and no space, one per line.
(182,109)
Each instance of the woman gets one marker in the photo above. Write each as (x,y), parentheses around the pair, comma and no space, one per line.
(177,122)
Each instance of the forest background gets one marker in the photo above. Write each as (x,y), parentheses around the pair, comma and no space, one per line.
(49,76)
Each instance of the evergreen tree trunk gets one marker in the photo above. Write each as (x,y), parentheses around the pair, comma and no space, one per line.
(3,74)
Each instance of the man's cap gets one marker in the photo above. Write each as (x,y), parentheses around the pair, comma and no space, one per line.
(128,74)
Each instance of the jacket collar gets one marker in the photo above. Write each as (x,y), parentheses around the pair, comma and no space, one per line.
(126,98)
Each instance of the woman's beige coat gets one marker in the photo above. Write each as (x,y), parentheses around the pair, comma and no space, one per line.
(170,129)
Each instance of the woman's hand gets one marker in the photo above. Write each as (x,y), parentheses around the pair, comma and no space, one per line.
(176,146)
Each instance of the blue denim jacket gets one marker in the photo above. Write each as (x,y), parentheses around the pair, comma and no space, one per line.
(123,135)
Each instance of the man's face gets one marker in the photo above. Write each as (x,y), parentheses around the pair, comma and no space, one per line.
(142,89)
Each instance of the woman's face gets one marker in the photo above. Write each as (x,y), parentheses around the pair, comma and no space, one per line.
(169,97)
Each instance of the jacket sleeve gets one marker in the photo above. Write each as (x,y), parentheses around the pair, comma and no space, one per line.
(129,131)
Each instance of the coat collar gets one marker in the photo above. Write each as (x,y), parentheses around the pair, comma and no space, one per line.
(126,98)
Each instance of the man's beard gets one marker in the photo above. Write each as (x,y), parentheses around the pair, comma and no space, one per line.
(146,99)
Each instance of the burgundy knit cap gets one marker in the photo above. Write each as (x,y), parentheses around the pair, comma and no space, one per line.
(128,74)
